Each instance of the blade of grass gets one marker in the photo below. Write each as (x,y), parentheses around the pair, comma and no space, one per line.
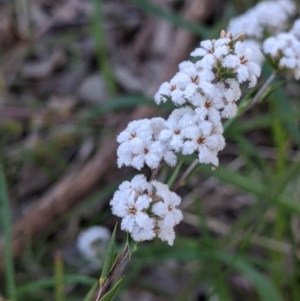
(292,126)
(59,278)
(50,283)
(97,30)
(222,290)
(171,17)
(280,139)
(109,258)
(7,229)
(174,174)
(187,250)
(249,185)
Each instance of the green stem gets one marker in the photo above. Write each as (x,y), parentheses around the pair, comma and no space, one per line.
(59,278)
(8,250)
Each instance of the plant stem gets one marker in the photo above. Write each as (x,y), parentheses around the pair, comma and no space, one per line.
(121,259)
(125,252)
(261,91)
(97,22)
(156,171)
(186,174)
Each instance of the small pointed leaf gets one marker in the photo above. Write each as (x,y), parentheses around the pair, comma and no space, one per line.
(109,259)
(110,294)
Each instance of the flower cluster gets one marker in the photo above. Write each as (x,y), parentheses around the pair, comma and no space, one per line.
(204,92)
(147,209)
(208,91)
(264,19)
(284,50)
(140,144)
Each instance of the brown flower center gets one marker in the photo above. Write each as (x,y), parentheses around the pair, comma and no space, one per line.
(195,79)
(177,132)
(243,60)
(201,140)
(132,210)
(208,104)
(173,87)
(146,151)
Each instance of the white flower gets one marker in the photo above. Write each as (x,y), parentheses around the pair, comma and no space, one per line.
(176,122)
(248,23)
(257,56)
(207,109)
(205,142)
(267,16)
(134,213)
(149,152)
(173,89)
(166,233)
(296,29)
(211,52)
(147,212)
(241,63)
(214,48)
(92,242)
(142,233)
(231,92)
(167,207)
(129,191)
(140,145)
(284,49)
(131,202)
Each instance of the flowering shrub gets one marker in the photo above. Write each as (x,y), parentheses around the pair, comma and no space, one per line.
(204,92)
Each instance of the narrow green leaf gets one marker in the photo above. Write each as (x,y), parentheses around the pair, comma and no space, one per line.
(7,229)
(286,178)
(59,278)
(89,296)
(109,258)
(264,287)
(117,104)
(249,185)
(111,293)
(97,26)
(50,283)
(173,18)
(174,175)
(292,126)
(187,250)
